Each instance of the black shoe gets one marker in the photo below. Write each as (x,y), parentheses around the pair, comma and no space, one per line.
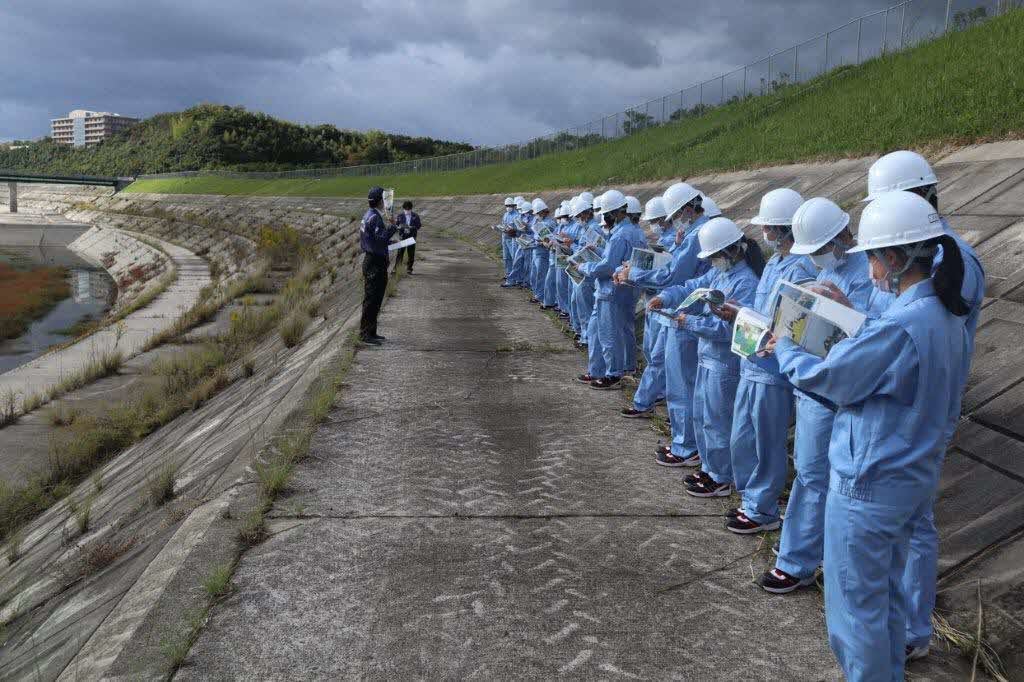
(546,307)
(607,383)
(378,337)
(370,341)
(633,413)
(744,525)
(575,337)
(780,582)
(534,299)
(585,379)
(699,477)
(709,487)
(506,285)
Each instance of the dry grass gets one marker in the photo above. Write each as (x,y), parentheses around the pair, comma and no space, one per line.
(294,327)
(8,407)
(28,294)
(160,485)
(95,556)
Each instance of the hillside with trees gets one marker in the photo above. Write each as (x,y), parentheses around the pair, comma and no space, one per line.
(213,136)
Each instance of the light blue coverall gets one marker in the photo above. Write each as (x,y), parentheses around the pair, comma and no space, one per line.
(897,387)
(588,233)
(541,258)
(718,368)
(658,337)
(803,533)
(522,261)
(508,244)
(608,334)
(764,408)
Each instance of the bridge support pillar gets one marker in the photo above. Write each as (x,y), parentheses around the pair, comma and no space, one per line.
(12,192)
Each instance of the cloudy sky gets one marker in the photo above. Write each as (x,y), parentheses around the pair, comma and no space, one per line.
(482,71)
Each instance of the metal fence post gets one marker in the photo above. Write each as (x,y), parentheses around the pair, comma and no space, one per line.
(885,31)
(903,20)
(722,100)
(664,117)
(744,82)
(860,30)
(702,94)
(769,73)
(796,64)
(949,8)
(827,36)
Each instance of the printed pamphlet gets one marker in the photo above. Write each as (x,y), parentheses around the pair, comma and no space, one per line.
(648,259)
(402,244)
(750,332)
(813,321)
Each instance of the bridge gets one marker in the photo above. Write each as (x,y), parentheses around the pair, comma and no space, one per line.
(13,179)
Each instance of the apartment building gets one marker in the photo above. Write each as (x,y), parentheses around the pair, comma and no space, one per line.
(81,128)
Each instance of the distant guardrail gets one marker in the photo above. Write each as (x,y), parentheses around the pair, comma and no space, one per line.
(884,31)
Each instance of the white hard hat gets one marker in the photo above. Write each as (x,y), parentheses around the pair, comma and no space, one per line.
(558,212)
(597,206)
(539,205)
(711,209)
(654,209)
(633,205)
(579,205)
(588,196)
(895,219)
(899,170)
(519,199)
(525,206)
(716,234)
(816,223)
(509,201)
(677,196)
(778,207)
(612,200)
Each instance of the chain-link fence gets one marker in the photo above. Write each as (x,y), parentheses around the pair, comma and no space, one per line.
(896,28)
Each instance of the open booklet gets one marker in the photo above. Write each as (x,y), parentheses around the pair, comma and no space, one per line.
(814,322)
(588,254)
(647,259)
(525,242)
(712,296)
(575,276)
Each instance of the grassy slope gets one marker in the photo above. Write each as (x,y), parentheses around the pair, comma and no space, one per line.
(963,87)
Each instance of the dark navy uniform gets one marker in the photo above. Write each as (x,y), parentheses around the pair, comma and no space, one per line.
(374,235)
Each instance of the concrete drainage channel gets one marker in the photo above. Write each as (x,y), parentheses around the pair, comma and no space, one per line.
(136,615)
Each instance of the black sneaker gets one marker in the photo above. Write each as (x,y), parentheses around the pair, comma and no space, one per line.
(667,459)
(369,340)
(734,512)
(697,478)
(633,413)
(547,307)
(509,285)
(709,487)
(663,450)
(607,384)
(575,337)
(378,337)
(743,525)
(564,316)
(534,299)
(780,582)
(585,379)
(660,401)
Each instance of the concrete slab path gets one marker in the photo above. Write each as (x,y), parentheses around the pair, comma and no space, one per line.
(470,512)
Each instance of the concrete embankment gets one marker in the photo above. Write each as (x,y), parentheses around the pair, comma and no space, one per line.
(111,621)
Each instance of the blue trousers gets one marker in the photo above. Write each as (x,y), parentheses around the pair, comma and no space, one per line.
(680,380)
(540,271)
(714,395)
(760,427)
(551,282)
(652,382)
(803,534)
(866,546)
(585,308)
(563,285)
(596,365)
(919,578)
(508,253)
(626,313)
(519,262)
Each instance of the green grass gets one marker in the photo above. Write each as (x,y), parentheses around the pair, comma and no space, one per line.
(963,87)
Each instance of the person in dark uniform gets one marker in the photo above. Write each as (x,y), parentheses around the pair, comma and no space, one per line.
(408,226)
(374,235)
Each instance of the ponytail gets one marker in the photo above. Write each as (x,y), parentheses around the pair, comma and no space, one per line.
(948,278)
(753,255)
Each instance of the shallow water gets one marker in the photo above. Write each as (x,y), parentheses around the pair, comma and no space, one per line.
(92,291)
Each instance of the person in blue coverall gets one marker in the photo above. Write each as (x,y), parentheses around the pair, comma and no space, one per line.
(735,265)
(508,238)
(561,280)
(764,399)
(651,388)
(521,262)
(614,306)
(821,231)
(906,170)
(896,386)
(588,230)
(541,255)
(685,210)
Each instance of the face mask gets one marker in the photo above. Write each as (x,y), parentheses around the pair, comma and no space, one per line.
(824,261)
(408,213)
(770,243)
(681,224)
(656,228)
(508,209)
(721,263)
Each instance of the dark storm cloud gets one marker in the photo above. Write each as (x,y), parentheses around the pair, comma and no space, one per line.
(486,71)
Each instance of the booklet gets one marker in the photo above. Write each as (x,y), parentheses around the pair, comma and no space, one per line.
(402,244)
(813,321)
(648,259)
(561,260)
(750,332)
(575,276)
(588,254)
(525,242)
(666,317)
(712,296)
(543,232)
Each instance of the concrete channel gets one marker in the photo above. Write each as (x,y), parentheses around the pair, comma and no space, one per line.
(477,512)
